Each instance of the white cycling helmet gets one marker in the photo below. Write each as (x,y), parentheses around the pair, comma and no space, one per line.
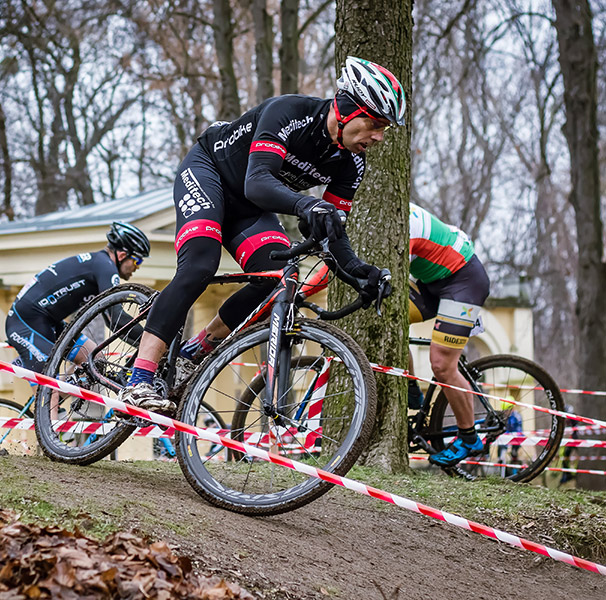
(374,87)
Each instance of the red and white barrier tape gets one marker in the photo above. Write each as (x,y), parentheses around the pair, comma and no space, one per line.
(557,413)
(581,430)
(512,439)
(294,443)
(514,465)
(345,482)
(90,427)
(404,373)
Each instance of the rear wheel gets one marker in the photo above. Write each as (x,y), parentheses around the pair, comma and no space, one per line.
(514,454)
(73,430)
(328,416)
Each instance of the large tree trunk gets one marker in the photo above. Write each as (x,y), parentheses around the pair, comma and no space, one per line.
(579,64)
(223,30)
(263,49)
(289,50)
(378,225)
(7,169)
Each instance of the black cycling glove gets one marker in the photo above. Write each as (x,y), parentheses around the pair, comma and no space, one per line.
(322,217)
(372,275)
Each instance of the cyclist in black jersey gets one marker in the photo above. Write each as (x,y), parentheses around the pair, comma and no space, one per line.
(239,175)
(35,320)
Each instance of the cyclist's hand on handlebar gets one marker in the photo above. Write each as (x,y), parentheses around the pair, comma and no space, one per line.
(374,283)
(368,279)
(322,217)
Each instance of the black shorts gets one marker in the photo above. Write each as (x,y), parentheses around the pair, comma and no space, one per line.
(32,336)
(202,211)
(455,301)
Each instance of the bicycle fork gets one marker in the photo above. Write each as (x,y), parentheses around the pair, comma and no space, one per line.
(279,349)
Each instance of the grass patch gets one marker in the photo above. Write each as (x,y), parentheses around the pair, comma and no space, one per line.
(34,506)
(571,520)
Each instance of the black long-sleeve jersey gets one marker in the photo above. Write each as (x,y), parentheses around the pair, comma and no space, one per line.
(61,288)
(278,149)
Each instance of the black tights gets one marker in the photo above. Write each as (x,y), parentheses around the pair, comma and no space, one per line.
(197,262)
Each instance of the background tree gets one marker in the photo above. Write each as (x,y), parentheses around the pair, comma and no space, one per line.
(263,26)
(7,169)
(579,65)
(380,212)
(69,105)
(223,28)
(289,49)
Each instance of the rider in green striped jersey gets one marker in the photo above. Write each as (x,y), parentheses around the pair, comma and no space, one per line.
(448,282)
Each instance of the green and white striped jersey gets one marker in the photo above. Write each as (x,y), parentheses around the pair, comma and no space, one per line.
(437,250)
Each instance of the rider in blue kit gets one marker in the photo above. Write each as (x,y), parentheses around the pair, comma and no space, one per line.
(36,318)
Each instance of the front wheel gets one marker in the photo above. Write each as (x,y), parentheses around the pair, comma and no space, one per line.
(10,410)
(73,430)
(514,454)
(327,417)
(13,410)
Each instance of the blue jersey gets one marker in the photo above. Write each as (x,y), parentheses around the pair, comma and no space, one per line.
(61,288)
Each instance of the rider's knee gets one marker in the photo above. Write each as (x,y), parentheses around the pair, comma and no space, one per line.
(195,277)
(443,366)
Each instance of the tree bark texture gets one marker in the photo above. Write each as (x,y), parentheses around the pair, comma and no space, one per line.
(263,49)
(578,63)
(7,169)
(289,50)
(223,31)
(378,224)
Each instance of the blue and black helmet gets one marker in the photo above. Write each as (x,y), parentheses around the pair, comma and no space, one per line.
(127,237)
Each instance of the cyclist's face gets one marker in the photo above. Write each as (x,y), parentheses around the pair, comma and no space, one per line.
(362,132)
(128,267)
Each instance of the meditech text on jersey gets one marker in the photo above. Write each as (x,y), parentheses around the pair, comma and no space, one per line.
(361,166)
(307,168)
(194,188)
(294,124)
(238,133)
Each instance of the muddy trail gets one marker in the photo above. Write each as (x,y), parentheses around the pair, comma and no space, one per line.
(342,546)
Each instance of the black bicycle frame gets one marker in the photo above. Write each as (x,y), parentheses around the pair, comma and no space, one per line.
(282,301)
(279,347)
(465,370)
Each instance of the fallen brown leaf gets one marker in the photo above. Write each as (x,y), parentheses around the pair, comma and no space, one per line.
(40,563)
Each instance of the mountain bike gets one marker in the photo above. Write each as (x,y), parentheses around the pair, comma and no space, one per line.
(294,386)
(103,336)
(506,376)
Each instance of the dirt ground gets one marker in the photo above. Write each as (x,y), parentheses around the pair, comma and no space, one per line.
(341,546)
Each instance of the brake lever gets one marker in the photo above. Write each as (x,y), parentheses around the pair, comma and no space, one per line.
(383,288)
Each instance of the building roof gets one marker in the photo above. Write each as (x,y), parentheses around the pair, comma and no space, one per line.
(131,208)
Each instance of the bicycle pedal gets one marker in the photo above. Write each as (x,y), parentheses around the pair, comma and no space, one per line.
(457,471)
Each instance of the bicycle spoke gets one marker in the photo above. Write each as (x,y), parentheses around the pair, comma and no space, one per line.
(321,418)
(521,438)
